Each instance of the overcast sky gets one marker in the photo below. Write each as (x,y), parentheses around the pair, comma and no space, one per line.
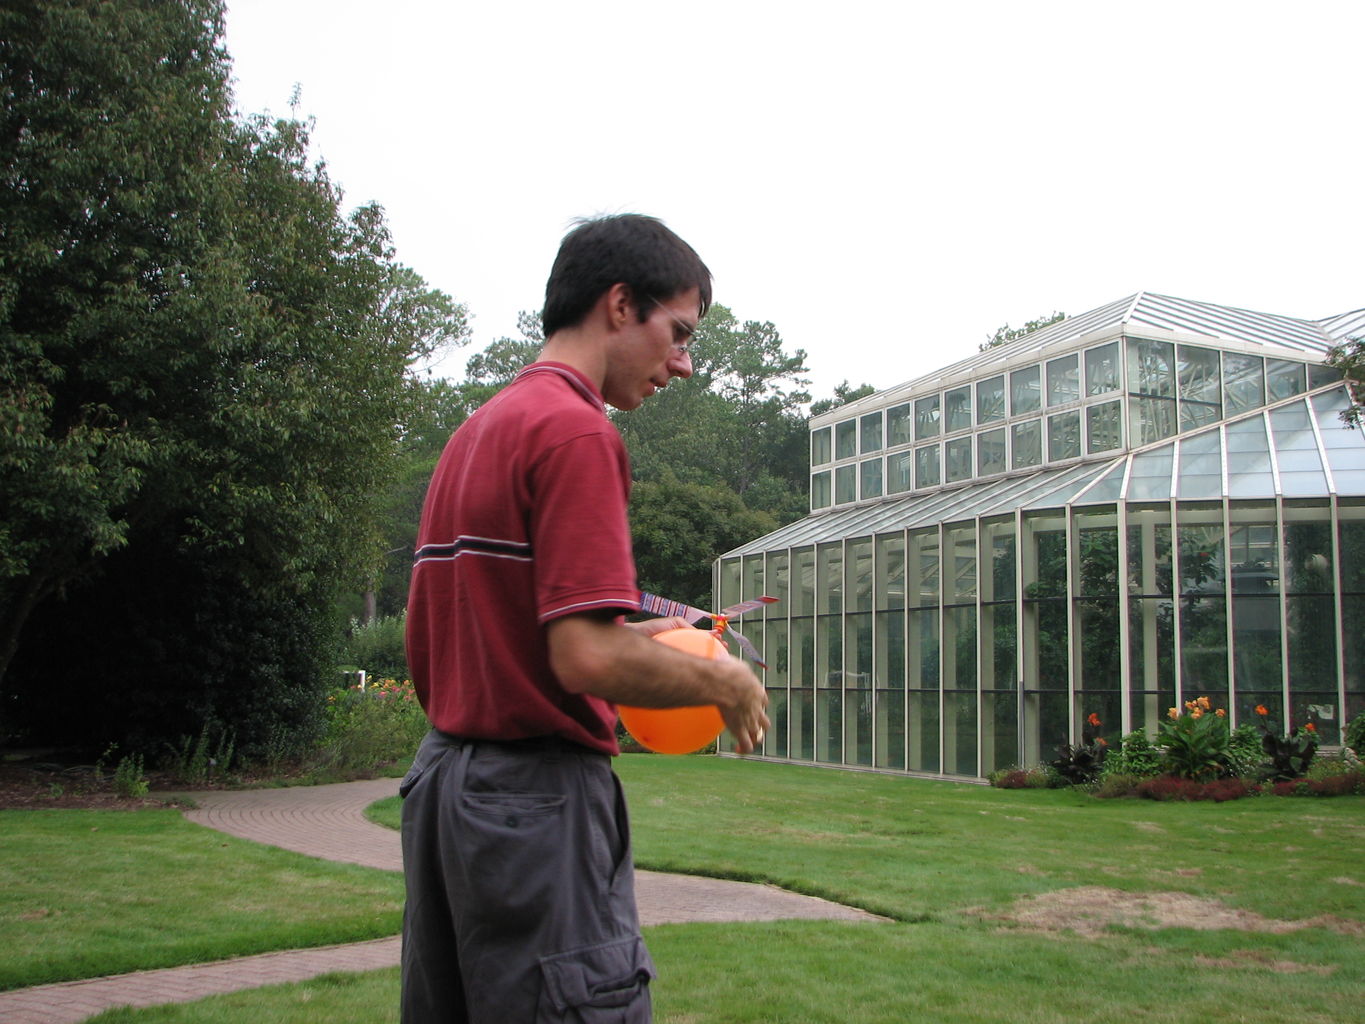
(886,182)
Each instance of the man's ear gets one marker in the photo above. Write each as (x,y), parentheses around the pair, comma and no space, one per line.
(620,305)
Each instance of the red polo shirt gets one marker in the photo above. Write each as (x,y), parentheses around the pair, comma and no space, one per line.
(524,522)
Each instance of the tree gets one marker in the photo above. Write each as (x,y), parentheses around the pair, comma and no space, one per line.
(843,394)
(205,365)
(1349,358)
(1005,333)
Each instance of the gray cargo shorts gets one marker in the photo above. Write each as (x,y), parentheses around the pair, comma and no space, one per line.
(520,887)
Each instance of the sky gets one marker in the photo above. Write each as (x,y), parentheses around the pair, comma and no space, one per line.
(886,182)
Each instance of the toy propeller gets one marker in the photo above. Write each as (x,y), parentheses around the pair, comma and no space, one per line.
(656,605)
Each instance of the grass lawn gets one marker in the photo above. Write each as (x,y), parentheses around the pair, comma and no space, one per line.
(1019,906)
(89,893)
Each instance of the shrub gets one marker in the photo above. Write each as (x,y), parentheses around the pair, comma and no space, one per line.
(1135,758)
(377,647)
(1024,778)
(1117,784)
(1194,743)
(1354,734)
(1172,787)
(1289,755)
(369,728)
(1245,753)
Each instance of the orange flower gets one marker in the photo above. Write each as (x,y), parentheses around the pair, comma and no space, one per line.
(1094,720)
(1203,702)
(1261,710)
(1173,714)
(1221,713)
(1197,713)
(1311,727)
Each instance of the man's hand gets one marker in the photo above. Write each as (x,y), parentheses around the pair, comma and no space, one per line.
(746,717)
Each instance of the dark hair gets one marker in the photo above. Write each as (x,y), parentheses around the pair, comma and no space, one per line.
(629,249)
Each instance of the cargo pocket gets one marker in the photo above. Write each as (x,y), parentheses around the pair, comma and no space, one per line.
(597,985)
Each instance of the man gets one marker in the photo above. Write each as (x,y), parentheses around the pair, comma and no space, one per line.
(516,849)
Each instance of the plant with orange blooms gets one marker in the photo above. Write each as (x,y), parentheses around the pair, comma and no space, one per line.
(1290,754)
(1194,742)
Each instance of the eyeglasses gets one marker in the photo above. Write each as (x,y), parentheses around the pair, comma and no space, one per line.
(682,332)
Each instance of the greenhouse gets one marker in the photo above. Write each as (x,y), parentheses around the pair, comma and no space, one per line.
(1153,502)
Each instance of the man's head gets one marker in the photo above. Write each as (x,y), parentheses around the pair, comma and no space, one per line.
(630,249)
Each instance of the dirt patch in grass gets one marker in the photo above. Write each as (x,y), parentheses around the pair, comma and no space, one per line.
(1091,909)
(1257,958)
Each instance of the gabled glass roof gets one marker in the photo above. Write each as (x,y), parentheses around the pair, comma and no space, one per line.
(1297,448)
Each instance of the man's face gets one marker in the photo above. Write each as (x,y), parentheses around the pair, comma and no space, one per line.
(650,353)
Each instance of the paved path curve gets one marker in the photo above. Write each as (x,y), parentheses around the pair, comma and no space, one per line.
(328,822)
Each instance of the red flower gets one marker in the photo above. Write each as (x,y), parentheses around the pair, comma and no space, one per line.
(1311,727)
(1261,710)
(1094,720)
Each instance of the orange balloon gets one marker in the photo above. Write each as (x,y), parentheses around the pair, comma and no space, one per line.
(678,730)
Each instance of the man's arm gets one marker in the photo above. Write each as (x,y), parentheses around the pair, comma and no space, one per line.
(595,655)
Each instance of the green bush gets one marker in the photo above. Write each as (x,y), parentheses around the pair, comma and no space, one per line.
(1117,784)
(1135,757)
(1195,743)
(377,647)
(369,728)
(1245,753)
(1354,736)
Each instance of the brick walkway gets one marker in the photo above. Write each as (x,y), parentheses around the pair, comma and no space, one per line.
(328,822)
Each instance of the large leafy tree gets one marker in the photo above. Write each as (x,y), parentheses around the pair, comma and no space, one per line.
(203,365)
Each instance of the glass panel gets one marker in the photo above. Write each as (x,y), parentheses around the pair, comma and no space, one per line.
(1253,554)
(845,484)
(802,663)
(729,582)
(1310,612)
(926,466)
(1103,427)
(819,446)
(1151,367)
(819,490)
(753,577)
(960,557)
(1296,451)
(923,569)
(1063,380)
(1097,656)
(1284,379)
(870,431)
(1025,390)
(1243,382)
(1026,444)
(1151,616)
(1320,375)
(1044,635)
(1063,436)
(926,417)
(990,452)
(1351,538)
(922,716)
(859,575)
(846,439)
(803,581)
(775,742)
(1201,466)
(898,425)
(1200,386)
(871,481)
(1102,369)
(1203,609)
(801,725)
(999,631)
(958,459)
(898,472)
(1249,472)
(957,409)
(829,596)
(829,719)
(858,725)
(890,720)
(1150,419)
(779,583)
(990,399)
(1150,477)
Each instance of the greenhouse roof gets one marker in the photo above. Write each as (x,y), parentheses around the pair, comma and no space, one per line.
(1140,314)
(1297,448)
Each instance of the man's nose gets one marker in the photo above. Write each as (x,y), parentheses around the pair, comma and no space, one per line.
(680,364)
